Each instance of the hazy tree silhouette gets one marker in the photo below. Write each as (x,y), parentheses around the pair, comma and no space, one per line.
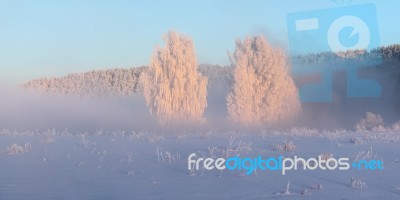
(174,90)
(263,91)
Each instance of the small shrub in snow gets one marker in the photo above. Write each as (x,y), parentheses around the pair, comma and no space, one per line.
(131,172)
(325,156)
(98,132)
(235,147)
(286,147)
(277,147)
(167,156)
(211,151)
(136,135)
(129,158)
(317,187)
(303,131)
(155,138)
(305,192)
(356,141)
(289,146)
(50,140)
(17,149)
(43,159)
(287,190)
(365,155)
(358,184)
(84,141)
(371,122)
(396,126)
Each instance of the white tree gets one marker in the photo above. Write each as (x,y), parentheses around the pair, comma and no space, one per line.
(174,90)
(371,122)
(263,90)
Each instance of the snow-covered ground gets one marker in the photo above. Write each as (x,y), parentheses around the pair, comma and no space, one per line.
(142,165)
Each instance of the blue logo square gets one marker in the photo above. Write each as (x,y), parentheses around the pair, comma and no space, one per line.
(328,35)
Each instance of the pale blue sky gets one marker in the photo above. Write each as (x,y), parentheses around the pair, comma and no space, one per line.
(52,38)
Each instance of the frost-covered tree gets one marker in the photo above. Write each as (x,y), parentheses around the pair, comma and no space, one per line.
(263,90)
(174,90)
(371,122)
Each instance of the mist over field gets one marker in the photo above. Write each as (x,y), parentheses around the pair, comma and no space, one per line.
(113,99)
(26,110)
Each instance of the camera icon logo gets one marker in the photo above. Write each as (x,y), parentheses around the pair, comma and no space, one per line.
(328,33)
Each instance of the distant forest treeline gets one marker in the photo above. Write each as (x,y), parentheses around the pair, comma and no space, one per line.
(121,82)
(386,54)
(111,82)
